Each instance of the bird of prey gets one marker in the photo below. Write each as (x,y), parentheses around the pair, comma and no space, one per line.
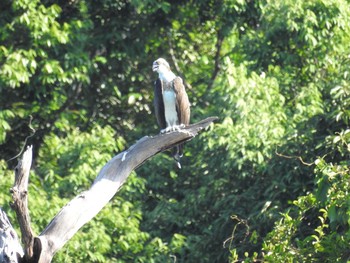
(171,104)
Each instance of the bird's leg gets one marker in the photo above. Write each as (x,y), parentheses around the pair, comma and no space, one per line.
(167,129)
(172,128)
(162,131)
(176,127)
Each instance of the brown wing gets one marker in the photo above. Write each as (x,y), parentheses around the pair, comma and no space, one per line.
(182,102)
(159,104)
(183,113)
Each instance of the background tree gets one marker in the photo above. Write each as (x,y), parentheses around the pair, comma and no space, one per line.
(268,183)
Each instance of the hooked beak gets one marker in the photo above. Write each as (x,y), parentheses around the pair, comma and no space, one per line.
(155,66)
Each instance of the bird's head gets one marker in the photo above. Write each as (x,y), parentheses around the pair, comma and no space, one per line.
(160,66)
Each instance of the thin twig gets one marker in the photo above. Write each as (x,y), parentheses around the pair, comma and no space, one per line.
(26,139)
(215,73)
(293,157)
(231,238)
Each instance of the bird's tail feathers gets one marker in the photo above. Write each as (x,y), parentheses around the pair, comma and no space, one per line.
(177,160)
(177,154)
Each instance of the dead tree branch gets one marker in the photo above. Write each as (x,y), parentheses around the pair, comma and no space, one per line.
(86,205)
(20,200)
(83,207)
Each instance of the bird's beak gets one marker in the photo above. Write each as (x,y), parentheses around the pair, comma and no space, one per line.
(155,66)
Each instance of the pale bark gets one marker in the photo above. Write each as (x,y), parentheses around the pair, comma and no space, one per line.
(20,200)
(10,247)
(87,204)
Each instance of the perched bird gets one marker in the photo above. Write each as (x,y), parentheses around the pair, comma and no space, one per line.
(171,104)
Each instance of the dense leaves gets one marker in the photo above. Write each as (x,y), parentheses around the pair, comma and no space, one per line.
(268,182)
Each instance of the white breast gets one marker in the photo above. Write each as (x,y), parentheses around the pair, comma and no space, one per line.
(167,76)
(169,99)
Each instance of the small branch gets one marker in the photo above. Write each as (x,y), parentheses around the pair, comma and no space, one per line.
(10,247)
(20,200)
(26,139)
(294,157)
(215,73)
(86,205)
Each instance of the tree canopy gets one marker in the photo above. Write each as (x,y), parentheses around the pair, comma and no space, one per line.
(269,182)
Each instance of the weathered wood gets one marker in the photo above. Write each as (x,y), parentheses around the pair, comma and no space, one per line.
(10,247)
(20,200)
(86,205)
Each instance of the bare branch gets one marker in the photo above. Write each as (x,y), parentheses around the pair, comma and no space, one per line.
(20,201)
(215,73)
(26,139)
(86,205)
(293,157)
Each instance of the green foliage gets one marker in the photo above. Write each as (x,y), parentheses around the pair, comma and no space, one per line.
(71,163)
(249,132)
(268,182)
(318,231)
